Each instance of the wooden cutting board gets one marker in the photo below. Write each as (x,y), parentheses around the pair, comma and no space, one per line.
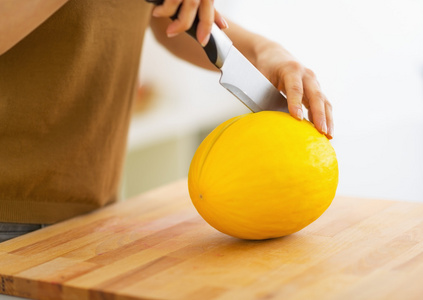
(157,247)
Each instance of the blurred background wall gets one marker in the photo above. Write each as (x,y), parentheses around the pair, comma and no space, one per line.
(368,56)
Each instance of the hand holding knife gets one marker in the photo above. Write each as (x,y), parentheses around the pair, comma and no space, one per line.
(238,75)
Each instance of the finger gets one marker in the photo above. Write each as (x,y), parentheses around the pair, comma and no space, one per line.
(206,20)
(186,16)
(310,116)
(294,93)
(317,103)
(167,9)
(306,103)
(329,119)
(220,20)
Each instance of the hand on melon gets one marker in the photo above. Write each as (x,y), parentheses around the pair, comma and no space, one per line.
(297,82)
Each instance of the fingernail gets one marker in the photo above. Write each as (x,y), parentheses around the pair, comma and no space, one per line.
(225,24)
(324,128)
(300,115)
(330,131)
(205,40)
(171,34)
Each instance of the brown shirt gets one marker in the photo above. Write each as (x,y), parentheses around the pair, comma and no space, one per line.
(66,93)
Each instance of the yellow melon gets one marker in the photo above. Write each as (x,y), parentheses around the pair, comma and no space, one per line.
(263,175)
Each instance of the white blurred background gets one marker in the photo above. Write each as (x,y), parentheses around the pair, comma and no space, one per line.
(368,56)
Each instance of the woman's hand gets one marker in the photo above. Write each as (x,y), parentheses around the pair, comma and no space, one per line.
(206,13)
(298,83)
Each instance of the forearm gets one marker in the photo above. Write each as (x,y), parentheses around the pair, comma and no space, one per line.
(18,18)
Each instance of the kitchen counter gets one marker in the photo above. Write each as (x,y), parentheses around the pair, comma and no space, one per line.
(156,246)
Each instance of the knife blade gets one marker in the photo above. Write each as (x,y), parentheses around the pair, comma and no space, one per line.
(238,75)
(250,86)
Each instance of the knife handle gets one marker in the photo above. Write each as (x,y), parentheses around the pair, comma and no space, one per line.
(219,44)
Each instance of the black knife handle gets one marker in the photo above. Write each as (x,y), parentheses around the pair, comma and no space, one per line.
(219,44)
(155,2)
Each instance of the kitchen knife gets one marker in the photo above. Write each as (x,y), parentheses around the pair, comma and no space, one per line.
(238,75)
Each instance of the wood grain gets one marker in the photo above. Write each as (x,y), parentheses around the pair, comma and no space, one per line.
(156,246)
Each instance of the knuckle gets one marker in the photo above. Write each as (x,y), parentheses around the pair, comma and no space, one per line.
(319,95)
(207,24)
(175,2)
(308,72)
(328,105)
(185,24)
(194,3)
(296,88)
(295,66)
(319,114)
